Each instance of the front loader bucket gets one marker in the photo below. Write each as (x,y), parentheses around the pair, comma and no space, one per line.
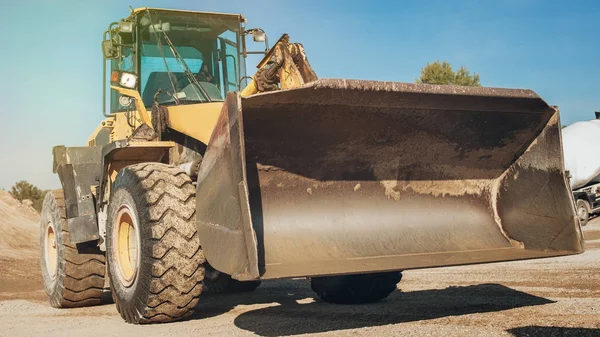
(346,176)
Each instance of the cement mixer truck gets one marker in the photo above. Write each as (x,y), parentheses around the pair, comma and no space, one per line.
(582,164)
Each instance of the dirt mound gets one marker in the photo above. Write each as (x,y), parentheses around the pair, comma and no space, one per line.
(19,225)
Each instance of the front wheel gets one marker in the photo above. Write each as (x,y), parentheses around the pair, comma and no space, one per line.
(154,256)
(355,289)
(583,211)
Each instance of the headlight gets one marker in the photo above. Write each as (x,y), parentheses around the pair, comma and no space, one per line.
(124,79)
(128,80)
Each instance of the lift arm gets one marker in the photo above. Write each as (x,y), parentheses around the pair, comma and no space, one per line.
(285,66)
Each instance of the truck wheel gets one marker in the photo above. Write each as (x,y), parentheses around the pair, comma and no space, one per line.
(583,211)
(73,275)
(221,283)
(355,289)
(155,261)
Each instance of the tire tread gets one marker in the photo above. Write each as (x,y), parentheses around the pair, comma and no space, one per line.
(175,281)
(81,270)
(356,289)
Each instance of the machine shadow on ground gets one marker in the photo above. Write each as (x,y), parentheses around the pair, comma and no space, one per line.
(535,331)
(289,317)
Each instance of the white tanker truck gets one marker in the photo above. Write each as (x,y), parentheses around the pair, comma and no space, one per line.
(582,165)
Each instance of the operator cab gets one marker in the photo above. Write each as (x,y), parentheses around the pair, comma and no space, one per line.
(206,44)
(179,57)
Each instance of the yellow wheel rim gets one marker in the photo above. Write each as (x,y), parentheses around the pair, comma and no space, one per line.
(50,250)
(127,246)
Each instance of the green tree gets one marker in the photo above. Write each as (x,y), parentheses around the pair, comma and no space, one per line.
(442,73)
(24,190)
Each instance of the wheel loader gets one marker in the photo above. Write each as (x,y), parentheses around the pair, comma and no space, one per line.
(201,178)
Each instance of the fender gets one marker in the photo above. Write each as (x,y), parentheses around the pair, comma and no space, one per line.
(79,171)
(121,153)
(86,174)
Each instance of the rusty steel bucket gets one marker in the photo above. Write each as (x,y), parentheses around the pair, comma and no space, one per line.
(347,176)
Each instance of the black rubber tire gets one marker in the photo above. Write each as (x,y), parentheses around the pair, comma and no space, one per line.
(168,282)
(222,283)
(584,207)
(78,279)
(355,289)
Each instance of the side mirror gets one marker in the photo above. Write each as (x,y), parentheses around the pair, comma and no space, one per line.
(109,50)
(259,36)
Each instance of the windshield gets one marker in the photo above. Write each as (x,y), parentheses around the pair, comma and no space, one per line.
(188,58)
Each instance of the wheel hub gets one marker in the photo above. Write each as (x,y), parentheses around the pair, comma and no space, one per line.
(582,213)
(127,246)
(51,253)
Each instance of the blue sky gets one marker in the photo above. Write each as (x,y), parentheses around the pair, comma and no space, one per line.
(51,60)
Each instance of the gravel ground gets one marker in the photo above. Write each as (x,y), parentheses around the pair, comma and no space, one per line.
(549,297)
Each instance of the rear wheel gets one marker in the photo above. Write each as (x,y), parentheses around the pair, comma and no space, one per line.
(73,274)
(218,282)
(355,289)
(583,211)
(154,256)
